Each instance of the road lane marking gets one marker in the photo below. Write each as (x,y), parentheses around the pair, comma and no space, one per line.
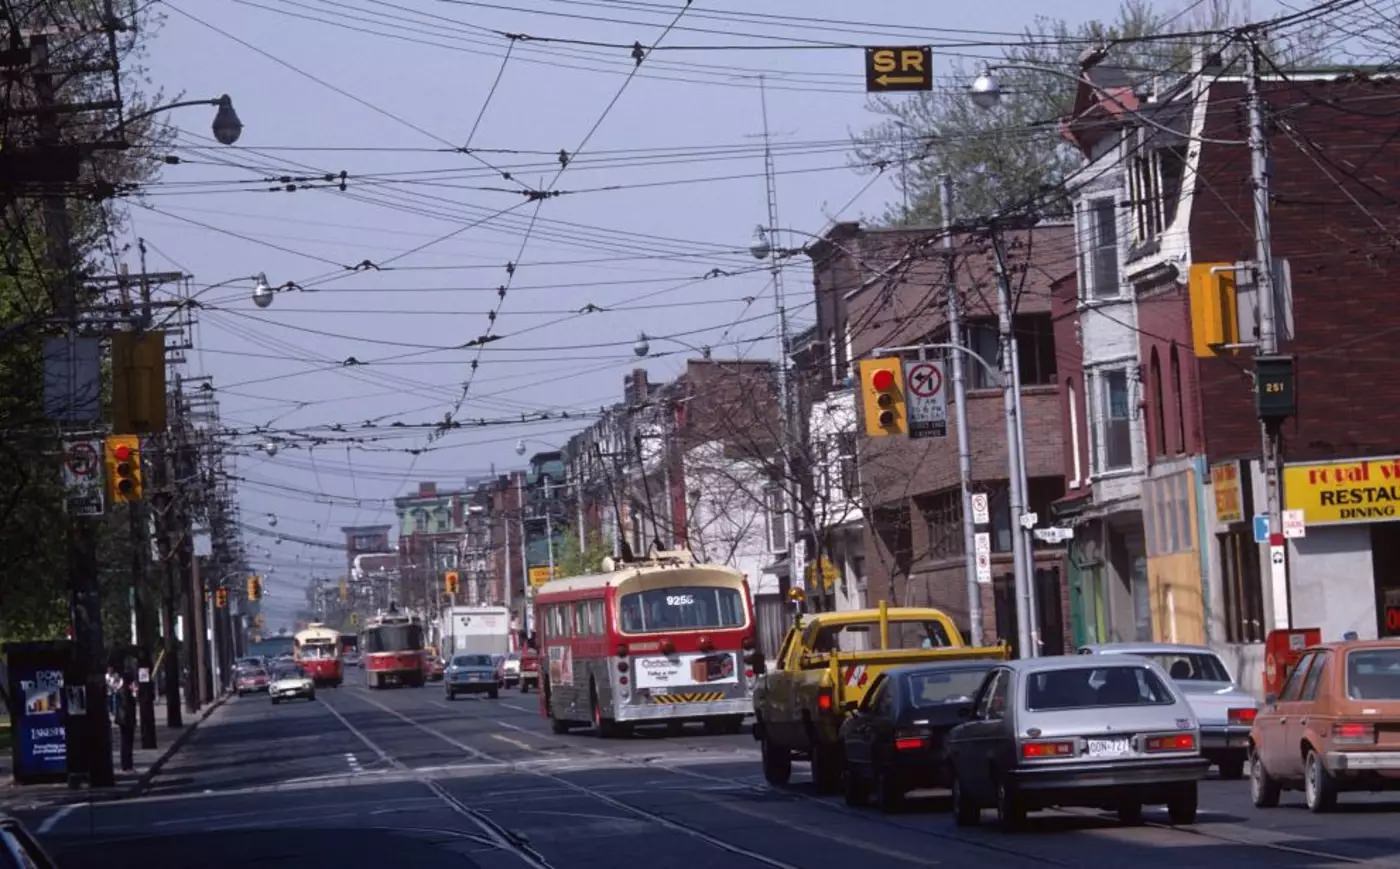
(383,755)
(520,708)
(52,820)
(515,742)
(475,753)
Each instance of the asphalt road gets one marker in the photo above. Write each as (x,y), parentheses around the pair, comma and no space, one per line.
(404,778)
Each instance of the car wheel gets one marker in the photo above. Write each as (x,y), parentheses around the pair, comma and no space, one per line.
(1319,788)
(1011,809)
(853,786)
(1130,813)
(777,762)
(1181,805)
(1232,768)
(965,812)
(889,793)
(1263,789)
(826,767)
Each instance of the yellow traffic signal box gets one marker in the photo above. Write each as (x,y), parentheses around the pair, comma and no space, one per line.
(450,582)
(123,460)
(254,588)
(1214,308)
(882,395)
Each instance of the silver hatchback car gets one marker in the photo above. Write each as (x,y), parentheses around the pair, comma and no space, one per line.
(1076,731)
(1224,710)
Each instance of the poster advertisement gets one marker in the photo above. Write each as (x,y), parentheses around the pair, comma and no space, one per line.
(684,671)
(561,665)
(42,740)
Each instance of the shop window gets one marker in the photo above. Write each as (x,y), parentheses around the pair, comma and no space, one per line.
(1244,593)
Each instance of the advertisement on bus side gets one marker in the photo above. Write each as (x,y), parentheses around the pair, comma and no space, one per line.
(561,665)
(666,671)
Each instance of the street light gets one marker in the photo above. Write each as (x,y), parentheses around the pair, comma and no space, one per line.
(227,127)
(642,347)
(262,293)
(270,448)
(760,248)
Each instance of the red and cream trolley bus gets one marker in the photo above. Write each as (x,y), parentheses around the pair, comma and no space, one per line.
(391,651)
(661,640)
(317,650)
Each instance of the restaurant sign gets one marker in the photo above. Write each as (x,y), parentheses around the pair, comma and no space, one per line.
(1344,492)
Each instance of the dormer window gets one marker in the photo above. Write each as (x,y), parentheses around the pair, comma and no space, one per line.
(1154,185)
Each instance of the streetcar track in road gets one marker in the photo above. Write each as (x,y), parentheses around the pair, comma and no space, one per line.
(519,845)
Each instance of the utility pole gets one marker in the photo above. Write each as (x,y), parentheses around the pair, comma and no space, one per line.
(525,594)
(1015,484)
(94,741)
(165,534)
(1268,331)
(140,545)
(974,590)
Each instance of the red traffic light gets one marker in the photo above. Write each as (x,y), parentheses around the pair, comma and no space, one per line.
(882,379)
(121,452)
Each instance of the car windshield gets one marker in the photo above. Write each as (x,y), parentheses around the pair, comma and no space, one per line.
(288,672)
(1085,687)
(862,636)
(681,608)
(472,661)
(937,687)
(1191,666)
(1373,674)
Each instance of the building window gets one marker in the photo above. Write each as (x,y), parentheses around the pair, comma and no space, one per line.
(1073,433)
(420,521)
(1180,404)
(1098,260)
(1115,421)
(1154,183)
(777,520)
(1044,492)
(1035,350)
(1244,596)
(1159,404)
(943,516)
(980,336)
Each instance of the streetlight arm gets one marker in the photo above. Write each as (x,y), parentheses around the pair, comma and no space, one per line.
(942,345)
(227,127)
(180,105)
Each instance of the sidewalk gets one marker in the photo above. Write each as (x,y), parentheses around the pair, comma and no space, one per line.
(147,762)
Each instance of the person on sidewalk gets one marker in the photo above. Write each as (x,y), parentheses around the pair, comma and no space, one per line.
(114,693)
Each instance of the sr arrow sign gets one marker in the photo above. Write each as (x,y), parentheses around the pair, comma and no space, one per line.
(898,68)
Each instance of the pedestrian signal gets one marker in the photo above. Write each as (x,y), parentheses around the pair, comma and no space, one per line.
(124,468)
(882,393)
(450,582)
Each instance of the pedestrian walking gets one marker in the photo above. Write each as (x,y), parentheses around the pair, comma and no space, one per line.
(114,693)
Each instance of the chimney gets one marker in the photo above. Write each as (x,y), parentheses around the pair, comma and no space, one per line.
(635,388)
(427,490)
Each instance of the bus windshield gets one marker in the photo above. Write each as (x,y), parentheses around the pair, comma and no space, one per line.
(393,638)
(681,608)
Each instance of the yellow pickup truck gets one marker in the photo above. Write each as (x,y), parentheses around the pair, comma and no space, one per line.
(826,663)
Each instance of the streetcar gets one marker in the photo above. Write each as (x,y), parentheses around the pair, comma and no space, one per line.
(317,649)
(391,651)
(658,641)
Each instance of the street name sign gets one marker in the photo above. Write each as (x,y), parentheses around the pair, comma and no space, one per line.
(898,68)
(925,399)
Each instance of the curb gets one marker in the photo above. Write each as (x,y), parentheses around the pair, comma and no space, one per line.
(143,781)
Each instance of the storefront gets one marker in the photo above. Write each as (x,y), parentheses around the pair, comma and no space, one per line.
(1345,570)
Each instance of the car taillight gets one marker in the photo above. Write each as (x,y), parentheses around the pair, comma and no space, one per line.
(1054,748)
(1243,716)
(1353,733)
(622,650)
(824,700)
(1171,742)
(910,740)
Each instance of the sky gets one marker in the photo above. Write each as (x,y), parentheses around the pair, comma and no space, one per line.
(663,185)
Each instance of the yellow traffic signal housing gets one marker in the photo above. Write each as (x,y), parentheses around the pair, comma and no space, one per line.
(138,382)
(123,461)
(221,598)
(882,394)
(1214,308)
(450,582)
(254,588)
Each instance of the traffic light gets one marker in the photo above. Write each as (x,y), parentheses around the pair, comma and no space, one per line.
(882,390)
(221,598)
(1214,308)
(354,618)
(449,582)
(124,468)
(254,588)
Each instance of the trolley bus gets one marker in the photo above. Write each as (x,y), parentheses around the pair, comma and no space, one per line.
(662,640)
(317,649)
(391,651)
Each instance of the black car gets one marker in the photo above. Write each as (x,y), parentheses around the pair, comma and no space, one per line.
(894,739)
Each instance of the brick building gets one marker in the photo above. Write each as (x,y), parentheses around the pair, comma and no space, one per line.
(888,287)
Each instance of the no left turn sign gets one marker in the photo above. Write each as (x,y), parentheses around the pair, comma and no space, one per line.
(925,403)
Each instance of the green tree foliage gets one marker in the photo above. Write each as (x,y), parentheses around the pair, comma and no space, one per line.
(1014,153)
(571,560)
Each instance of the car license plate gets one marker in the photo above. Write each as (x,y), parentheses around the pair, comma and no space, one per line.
(1109,748)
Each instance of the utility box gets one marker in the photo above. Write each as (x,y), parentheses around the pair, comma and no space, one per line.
(1282,649)
(1276,395)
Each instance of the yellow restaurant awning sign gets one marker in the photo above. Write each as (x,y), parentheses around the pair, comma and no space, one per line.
(1344,492)
(539,576)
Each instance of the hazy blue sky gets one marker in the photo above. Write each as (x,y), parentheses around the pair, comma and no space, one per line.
(643,246)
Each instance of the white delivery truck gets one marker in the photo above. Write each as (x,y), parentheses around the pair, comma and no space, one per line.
(476,630)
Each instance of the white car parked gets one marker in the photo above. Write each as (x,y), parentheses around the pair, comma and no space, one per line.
(288,681)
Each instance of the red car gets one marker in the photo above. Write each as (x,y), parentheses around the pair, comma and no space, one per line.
(250,681)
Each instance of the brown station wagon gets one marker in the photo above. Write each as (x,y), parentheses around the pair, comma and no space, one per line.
(1334,727)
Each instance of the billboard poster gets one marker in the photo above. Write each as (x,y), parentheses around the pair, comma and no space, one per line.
(41,738)
(672,671)
(561,665)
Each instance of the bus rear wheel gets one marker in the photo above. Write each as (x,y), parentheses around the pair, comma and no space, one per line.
(605,728)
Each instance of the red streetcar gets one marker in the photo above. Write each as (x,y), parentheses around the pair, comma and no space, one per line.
(391,651)
(661,640)
(317,650)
